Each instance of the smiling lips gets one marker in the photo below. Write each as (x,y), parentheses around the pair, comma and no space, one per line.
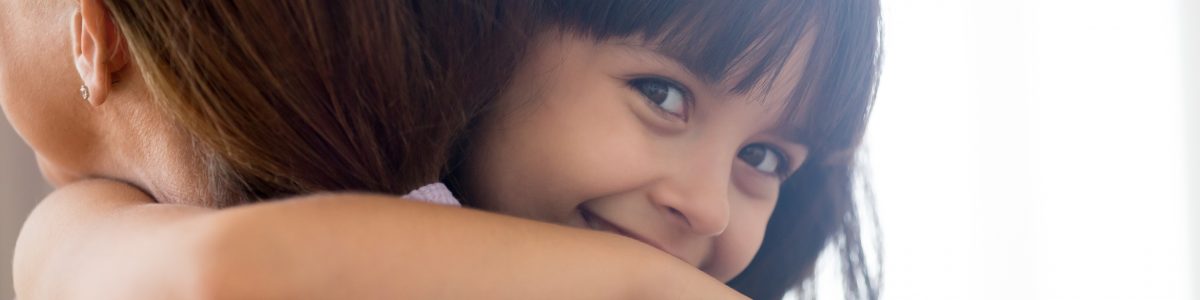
(599,223)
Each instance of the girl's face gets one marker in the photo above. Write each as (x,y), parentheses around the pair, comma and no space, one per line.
(613,136)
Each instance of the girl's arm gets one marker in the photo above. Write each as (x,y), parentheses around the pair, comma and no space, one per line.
(105,240)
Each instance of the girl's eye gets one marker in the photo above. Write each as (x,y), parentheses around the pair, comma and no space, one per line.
(666,95)
(765,159)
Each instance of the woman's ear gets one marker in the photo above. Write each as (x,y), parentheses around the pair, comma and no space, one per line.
(99,50)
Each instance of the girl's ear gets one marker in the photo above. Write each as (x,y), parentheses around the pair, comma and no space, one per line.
(99,49)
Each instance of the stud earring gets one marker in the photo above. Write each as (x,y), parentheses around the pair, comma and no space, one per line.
(83,92)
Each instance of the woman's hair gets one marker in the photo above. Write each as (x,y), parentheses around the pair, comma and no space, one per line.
(288,97)
(747,43)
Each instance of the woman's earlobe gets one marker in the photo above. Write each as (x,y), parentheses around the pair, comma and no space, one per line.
(99,50)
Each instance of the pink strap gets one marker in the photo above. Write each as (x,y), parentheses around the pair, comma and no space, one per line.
(435,193)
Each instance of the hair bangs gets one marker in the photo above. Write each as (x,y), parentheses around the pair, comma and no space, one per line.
(744,42)
(748,44)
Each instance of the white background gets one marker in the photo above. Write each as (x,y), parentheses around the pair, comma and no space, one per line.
(1037,149)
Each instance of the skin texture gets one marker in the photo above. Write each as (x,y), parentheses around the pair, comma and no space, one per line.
(577,139)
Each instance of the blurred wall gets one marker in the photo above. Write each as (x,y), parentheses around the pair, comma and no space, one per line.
(1191,83)
(21,186)
(1035,149)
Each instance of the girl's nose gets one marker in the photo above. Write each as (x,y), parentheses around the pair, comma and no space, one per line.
(698,201)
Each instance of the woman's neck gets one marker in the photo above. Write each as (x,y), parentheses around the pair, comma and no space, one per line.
(149,151)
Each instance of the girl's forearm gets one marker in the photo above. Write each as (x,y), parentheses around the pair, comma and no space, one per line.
(379,247)
(342,246)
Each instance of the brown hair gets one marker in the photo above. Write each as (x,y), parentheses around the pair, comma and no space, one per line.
(817,205)
(290,97)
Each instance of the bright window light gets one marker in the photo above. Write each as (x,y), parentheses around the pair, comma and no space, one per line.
(1032,149)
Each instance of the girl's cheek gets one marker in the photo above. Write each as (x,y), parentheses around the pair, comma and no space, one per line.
(736,249)
(753,184)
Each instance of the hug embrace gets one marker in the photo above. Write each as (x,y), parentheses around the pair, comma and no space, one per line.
(555,149)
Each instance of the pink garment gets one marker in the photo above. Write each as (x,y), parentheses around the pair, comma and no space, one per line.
(435,193)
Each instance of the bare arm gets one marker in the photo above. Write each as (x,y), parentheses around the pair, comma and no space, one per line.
(105,239)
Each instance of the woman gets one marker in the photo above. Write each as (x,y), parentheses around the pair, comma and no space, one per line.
(367,105)
(199,104)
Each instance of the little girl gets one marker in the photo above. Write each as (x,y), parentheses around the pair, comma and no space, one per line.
(721,133)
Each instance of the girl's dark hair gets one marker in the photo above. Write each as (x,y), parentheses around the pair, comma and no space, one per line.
(747,43)
(289,97)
